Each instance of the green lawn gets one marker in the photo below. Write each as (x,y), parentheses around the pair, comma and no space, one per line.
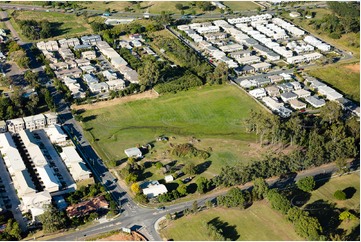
(214,115)
(240,5)
(68,25)
(326,191)
(259,222)
(340,77)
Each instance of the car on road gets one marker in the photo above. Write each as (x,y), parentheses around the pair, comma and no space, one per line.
(160,208)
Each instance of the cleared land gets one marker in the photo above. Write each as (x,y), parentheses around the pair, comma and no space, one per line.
(259,222)
(342,78)
(240,6)
(213,114)
(326,191)
(66,25)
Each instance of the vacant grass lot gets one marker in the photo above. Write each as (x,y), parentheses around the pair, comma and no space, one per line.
(259,222)
(213,114)
(67,25)
(341,77)
(326,191)
(240,5)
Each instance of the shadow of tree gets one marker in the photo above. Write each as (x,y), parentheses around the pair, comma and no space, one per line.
(89,118)
(228,231)
(200,168)
(321,179)
(349,191)
(326,213)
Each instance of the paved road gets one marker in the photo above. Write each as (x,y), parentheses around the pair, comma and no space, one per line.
(146,218)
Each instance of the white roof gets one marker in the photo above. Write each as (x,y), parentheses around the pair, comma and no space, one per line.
(79,170)
(23,183)
(70,155)
(33,149)
(10,153)
(36,200)
(133,152)
(54,132)
(16,121)
(302,92)
(48,178)
(155,190)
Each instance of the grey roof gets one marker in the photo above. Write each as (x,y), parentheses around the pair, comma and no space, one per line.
(262,80)
(251,41)
(314,101)
(247,68)
(85,46)
(288,95)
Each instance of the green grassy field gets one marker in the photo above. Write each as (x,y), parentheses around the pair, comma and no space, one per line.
(340,77)
(240,5)
(259,222)
(69,25)
(326,191)
(214,115)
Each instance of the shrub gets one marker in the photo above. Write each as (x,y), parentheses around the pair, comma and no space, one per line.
(306,184)
(340,195)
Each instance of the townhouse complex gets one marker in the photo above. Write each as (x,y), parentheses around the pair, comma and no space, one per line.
(37,171)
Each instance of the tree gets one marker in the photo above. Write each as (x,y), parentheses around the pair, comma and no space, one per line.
(13,229)
(149,73)
(179,6)
(158,165)
(190,169)
(203,184)
(340,195)
(346,215)
(260,188)
(195,207)
(278,201)
(31,77)
(306,184)
(208,203)
(52,219)
(342,165)
(308,227)
(182,189)
(135,188)
(331,112)
(220,74)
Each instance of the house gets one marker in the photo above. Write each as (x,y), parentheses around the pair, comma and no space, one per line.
(315,101)
(98,87)
(74,87)
(247,69)
(90,78)
(136,43)
(218,5)
(88,69)
(258,93)
(66,53)
(10,154)
(77,168)
(261,81)
(272,91)
(135,37)
(69,42)
(90,55)
(153,189)
(129,74)
(133,152)
(294,14)
(288,96)
(286,76)
(295,104)
(35,203)
(215,36)
(314,83)
(74,72)
(295,59)
(3,127)
(330,93)
(91,39)
(271,103)
(82,62)
(240,54)
(51,118)
(15,125)
(302,93)
(248,83)
(168,178)
(82,47)
(23,183)
(275,78)
(229,62)
(285,87)
(55,134)
(263,66)
(248,59)
(296,85)
(231,48)
(117,84)
(35,122)
(284,112)
(84,208)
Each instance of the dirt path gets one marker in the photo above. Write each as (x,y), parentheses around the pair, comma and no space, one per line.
(103,104)
(354,67)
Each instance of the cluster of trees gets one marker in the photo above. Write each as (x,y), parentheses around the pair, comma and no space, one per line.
(346,19)
(306,184)
(133,61)
(18,54)
(185,56)
(85,192)
(219,75)
(52,219)
(235,198)
(132,88)
(36,30)
(12,231)
(183,83)
(215,233)
(188,150)
(324,138)
(132,171)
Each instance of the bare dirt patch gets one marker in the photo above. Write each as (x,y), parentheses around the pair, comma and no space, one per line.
(354,67)
(103,104)
(123,237)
